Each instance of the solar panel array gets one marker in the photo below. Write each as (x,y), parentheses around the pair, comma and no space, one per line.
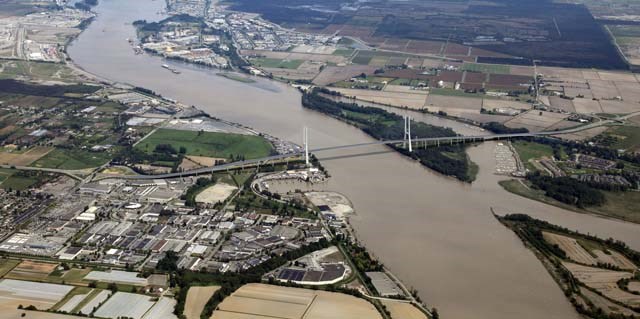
(291,274)
(329,273)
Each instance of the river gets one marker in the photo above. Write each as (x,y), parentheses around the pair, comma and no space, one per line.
(435,233)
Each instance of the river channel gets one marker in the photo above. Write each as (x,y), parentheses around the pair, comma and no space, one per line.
(437,234)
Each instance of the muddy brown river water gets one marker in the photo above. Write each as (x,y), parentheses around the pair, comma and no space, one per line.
(435,233)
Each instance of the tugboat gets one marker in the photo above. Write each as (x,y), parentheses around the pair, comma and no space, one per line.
(170,69)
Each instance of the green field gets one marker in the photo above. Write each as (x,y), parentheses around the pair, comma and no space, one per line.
(452,92)
(240,179)
(6,265)
(72,276)
(109,107)
(343,52)
(5,173)
(15,180)
(531,150)
(363,57)
(373,83)
(18,182)
(73,159)
(277,63)
(486,68)
(211,144)
(626,137)
(39,70)
(621,205)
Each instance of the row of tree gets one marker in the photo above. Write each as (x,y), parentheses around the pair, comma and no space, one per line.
(567,190)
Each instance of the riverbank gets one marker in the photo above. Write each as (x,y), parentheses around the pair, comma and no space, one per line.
(103,80)
(400,203)
(620,205)
(592,272)
(450,160)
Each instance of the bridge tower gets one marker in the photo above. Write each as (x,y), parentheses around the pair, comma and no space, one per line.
(305,134)
(407,132)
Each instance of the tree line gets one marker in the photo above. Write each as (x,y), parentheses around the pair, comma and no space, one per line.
(567,190)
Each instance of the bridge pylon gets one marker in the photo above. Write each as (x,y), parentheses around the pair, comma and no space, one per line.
(407,132)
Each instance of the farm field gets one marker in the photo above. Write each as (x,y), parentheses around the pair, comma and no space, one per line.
(162,309)
(626,137)
(276,59)
(584,135)
(197,298)
(72,159)
(193,162)
(259,301)
(604,281)
(590,254)
(531,150)
(454,104)
(71,276)
(536,121)
(6,265)
(24,158)
(93,300)
(333,74)
(73,299)
(17,182)
(6,173)
(487,68)
(398,99)
(571,247)
(124,304)
(31,270)
(403,310)
(490,104)
(277,63)
(592,91)
(41,295)
(306,71)
(31,69)
(210,144)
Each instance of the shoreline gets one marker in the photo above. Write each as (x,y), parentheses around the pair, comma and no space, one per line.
(100,79)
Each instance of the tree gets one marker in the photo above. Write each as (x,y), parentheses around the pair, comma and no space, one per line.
(169,262)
